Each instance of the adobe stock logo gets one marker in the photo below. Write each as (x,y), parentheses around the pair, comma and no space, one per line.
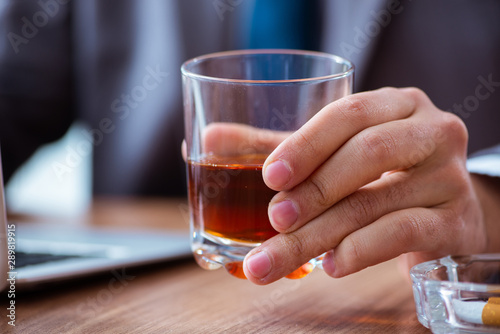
(485,87)
(364,36)
(32,25)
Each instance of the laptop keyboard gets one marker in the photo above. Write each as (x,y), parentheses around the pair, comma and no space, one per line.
(27,259)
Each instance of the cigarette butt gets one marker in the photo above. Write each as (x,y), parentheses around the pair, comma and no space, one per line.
(494,300)
(469,311)
(479,312)
(491,312)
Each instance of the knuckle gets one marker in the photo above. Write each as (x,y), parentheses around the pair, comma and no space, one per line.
(360,207)
(355,108)
(455,128)
(409,230)
(294,245)
(419,230)
(320,190)
(446,223)
(416,94)
(357,104)
(377,145)
(390,92)
(304,146)
(302,143)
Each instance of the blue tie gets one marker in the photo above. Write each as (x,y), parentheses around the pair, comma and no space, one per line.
(287,24)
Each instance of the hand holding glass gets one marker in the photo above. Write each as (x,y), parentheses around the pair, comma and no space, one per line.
(239,106)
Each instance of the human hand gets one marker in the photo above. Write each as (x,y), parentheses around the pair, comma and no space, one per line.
(370,177)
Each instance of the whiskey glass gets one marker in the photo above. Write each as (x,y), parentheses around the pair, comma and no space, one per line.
(238,107)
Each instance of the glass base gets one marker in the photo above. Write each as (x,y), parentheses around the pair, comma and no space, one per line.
(213,252)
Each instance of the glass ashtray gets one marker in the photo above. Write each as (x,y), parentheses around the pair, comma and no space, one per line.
(458,294)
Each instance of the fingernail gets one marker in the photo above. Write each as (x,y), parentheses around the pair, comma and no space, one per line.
(283,215)
(328,264)
(259,265)
(277,174)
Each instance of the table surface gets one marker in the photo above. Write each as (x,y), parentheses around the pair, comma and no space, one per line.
(180,297)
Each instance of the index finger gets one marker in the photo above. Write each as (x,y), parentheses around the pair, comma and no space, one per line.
(310,146)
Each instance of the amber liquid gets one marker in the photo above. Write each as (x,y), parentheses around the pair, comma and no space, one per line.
(230,198)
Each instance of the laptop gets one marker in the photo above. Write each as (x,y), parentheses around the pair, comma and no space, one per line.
(35,254)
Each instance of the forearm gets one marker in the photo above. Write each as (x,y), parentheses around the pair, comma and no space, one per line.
(488,192)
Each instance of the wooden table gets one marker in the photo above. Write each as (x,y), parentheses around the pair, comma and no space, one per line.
(180,297)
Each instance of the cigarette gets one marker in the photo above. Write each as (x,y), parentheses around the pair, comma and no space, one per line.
(479,312)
